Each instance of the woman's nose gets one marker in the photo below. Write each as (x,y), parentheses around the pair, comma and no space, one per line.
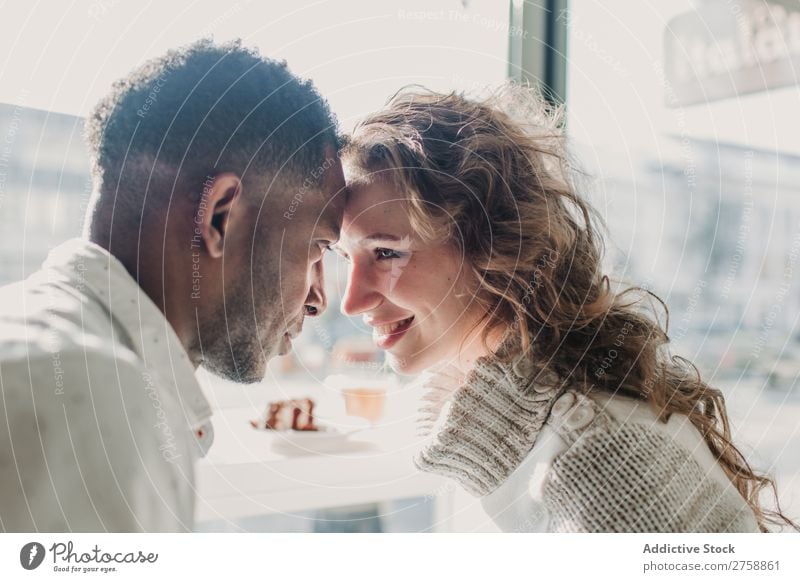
(361,294)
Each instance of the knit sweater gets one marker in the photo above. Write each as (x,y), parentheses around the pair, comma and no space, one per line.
(543,456)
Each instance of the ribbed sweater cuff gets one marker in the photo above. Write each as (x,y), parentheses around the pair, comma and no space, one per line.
(489,426)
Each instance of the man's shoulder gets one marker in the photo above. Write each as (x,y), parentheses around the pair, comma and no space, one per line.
(45,313)
(84,383)
(56,340)
(76,364)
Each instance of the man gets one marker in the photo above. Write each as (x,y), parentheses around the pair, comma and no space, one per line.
(217,190)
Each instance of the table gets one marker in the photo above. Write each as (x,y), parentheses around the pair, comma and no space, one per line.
(251,472)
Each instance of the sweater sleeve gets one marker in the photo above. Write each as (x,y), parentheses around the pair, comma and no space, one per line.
(485,429)
(630,478)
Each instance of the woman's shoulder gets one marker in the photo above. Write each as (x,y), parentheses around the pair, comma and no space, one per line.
(616,417)
(623,469)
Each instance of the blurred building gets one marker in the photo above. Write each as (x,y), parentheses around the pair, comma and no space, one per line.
(44,186)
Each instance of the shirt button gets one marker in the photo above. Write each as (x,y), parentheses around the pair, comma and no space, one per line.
(563,404)
(580,417)
(544,383)
(204,436)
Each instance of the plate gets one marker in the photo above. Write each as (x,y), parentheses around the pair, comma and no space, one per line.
(329,438)
(324,433)
(307,442)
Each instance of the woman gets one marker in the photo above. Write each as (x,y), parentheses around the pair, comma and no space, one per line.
(553,397)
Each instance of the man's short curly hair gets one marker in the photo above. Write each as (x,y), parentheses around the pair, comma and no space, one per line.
(201,110)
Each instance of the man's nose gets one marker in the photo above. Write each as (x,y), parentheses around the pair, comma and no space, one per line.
(361,294)
(316,301)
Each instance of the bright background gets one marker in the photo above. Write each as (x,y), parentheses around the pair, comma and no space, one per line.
(701,201)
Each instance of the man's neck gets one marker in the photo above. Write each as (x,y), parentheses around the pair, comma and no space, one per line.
(149,267)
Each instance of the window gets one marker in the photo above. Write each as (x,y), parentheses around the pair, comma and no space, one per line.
(682,111)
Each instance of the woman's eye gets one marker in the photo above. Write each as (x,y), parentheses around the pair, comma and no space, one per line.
(384,254)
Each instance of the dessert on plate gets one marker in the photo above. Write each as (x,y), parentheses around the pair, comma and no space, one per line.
(283,415)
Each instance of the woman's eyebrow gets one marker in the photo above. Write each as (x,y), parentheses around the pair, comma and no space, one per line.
(381,236)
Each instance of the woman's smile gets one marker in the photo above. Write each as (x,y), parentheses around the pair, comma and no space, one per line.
(387,335)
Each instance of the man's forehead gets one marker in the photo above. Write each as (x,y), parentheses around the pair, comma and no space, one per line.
(333,214)
(332,181)
(325,185)
(325,210)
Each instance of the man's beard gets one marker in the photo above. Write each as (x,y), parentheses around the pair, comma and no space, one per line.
(232,345)
(241,359)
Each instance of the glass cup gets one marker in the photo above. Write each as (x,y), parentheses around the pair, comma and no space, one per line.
(364,394)
(365,402)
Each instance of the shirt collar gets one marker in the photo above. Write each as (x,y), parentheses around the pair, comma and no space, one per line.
(153,338)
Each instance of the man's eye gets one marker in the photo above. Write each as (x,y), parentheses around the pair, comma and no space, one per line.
(384,254)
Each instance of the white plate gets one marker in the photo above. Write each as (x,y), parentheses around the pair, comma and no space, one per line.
(326,432)
(329,439)
(292,443)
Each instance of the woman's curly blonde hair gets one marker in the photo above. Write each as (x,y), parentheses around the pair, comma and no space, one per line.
(493,177)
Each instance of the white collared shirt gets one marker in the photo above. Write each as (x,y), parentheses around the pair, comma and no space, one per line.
(101,416)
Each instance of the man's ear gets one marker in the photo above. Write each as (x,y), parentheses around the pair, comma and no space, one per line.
(214,210)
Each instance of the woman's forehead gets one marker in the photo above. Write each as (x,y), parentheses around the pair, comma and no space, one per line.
(374,204)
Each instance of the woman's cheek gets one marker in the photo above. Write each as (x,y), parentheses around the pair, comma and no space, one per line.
(411,289)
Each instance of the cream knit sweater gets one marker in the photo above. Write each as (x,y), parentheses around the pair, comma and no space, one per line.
(544,457)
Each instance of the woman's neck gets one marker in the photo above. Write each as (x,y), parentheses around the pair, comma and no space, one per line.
(474,348)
